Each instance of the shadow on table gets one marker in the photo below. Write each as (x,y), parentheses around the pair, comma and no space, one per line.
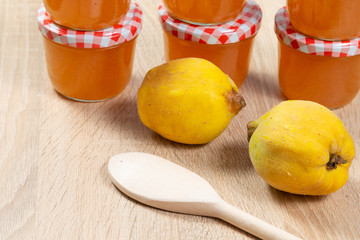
(261,84)
(285,197)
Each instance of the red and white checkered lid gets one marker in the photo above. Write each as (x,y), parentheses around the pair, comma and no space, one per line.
(246,25)
(128,28)
(288,35)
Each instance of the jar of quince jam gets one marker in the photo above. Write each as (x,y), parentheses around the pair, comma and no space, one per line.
(87,14)
(326,19)
(205,11)
(326,72)
(227,45)
(90,65)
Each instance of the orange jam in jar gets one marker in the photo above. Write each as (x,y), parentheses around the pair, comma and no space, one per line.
(227,45)
(205,11)
(87,14)
(326,72)
(90,65)
(326,19)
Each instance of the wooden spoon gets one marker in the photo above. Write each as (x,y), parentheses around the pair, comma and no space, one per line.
(162,184)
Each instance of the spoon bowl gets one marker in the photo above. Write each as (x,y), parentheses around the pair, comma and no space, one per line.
(162,184)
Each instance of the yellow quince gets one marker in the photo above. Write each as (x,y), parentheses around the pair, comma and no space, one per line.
(188,100)
(301,147)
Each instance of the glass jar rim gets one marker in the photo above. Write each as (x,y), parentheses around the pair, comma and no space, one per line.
(127,29)
(309,45)
(246,25)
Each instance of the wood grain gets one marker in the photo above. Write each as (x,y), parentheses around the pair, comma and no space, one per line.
(53,152)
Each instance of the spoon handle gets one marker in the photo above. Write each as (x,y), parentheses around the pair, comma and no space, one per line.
(250,224)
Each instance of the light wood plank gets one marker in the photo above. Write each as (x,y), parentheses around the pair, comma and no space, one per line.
(53,152)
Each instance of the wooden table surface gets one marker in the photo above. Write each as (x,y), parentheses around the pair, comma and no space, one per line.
(54,152)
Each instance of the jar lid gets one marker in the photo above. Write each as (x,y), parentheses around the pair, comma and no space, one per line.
(128,28)
(306,44)
(246,25)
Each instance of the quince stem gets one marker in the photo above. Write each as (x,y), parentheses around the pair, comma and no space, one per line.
(236,102)
(251,126)
(334,161)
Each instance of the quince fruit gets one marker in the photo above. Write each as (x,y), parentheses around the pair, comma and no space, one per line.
(301,147)
(188,100)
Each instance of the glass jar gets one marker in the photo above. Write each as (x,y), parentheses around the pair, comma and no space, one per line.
(205,11)
(228,45)
(326,19)
(87,14)
(90,65)
(326,72)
